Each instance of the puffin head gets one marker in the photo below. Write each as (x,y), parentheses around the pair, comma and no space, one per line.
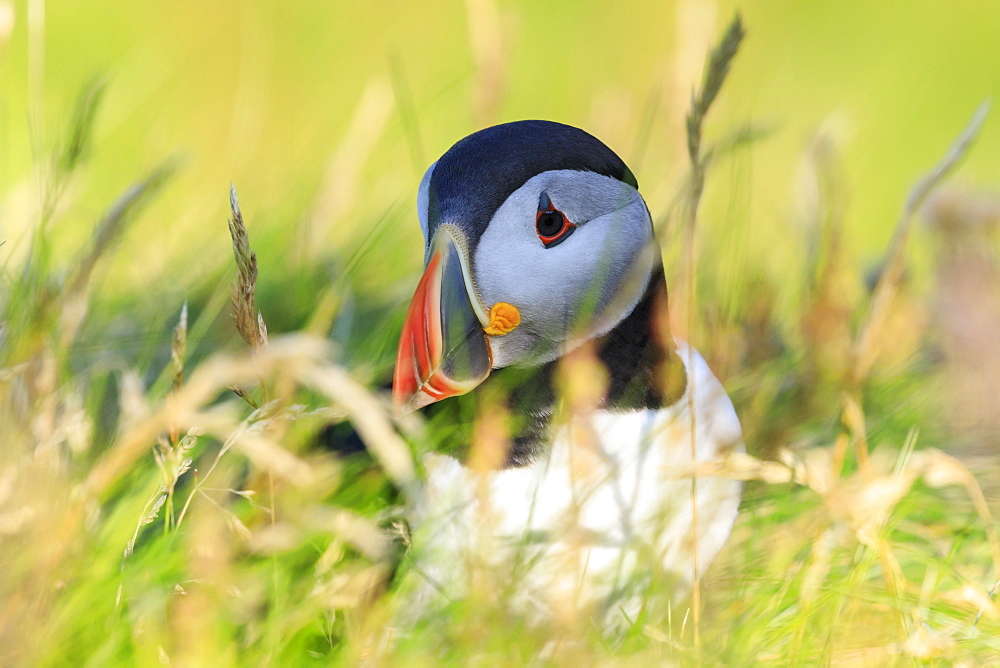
(536,240)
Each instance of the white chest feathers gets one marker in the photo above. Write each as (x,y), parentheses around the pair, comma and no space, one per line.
(592,523)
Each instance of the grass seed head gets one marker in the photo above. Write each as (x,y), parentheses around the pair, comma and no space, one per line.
(249,321)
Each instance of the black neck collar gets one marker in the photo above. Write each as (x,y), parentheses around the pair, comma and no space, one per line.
(644,372)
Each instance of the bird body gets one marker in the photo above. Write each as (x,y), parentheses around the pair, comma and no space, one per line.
(592,520)
(538,244)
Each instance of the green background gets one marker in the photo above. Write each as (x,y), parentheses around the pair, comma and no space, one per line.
(262,95)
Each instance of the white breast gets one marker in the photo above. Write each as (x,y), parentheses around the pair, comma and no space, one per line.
(593,520)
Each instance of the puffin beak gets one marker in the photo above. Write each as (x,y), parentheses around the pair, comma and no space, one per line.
(443,349)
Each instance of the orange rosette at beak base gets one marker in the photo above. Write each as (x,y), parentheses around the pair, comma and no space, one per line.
(443,348)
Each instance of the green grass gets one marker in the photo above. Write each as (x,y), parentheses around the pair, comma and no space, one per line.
(265,549)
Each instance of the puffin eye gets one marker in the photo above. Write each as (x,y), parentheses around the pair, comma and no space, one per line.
(552,225)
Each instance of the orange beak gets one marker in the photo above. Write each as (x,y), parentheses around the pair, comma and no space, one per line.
(443,350)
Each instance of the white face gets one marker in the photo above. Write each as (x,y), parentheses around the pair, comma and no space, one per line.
(573,291)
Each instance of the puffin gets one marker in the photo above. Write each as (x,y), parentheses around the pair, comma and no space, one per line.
(540,251)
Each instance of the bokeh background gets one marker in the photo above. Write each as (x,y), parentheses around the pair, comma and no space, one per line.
(324,115)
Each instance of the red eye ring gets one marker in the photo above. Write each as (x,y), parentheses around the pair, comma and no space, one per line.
(552,226)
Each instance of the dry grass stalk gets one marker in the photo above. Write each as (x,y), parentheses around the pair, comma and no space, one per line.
(865,348)
(250,327)
(895,258)
(81,126)
(74,150)
(369,417)
(490,438)
(186,408)
(300,357)
(719,62)
(173,460)
(171,453)
(110,228)
(245,396)
(249,321)
(49,314)
(832,284)
(178,348)
(864,500)
(861,505)
(854,419)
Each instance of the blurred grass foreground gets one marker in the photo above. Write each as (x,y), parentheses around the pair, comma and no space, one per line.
(162,496)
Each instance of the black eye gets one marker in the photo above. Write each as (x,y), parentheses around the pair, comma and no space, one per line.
(549,223)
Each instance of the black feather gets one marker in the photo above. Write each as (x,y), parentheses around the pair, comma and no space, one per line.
(476,175)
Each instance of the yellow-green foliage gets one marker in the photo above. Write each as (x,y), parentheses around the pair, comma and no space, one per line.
(162,498)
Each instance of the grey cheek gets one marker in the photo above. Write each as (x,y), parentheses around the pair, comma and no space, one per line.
(511,348)
(524,347)
(557,287)
(550,286)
